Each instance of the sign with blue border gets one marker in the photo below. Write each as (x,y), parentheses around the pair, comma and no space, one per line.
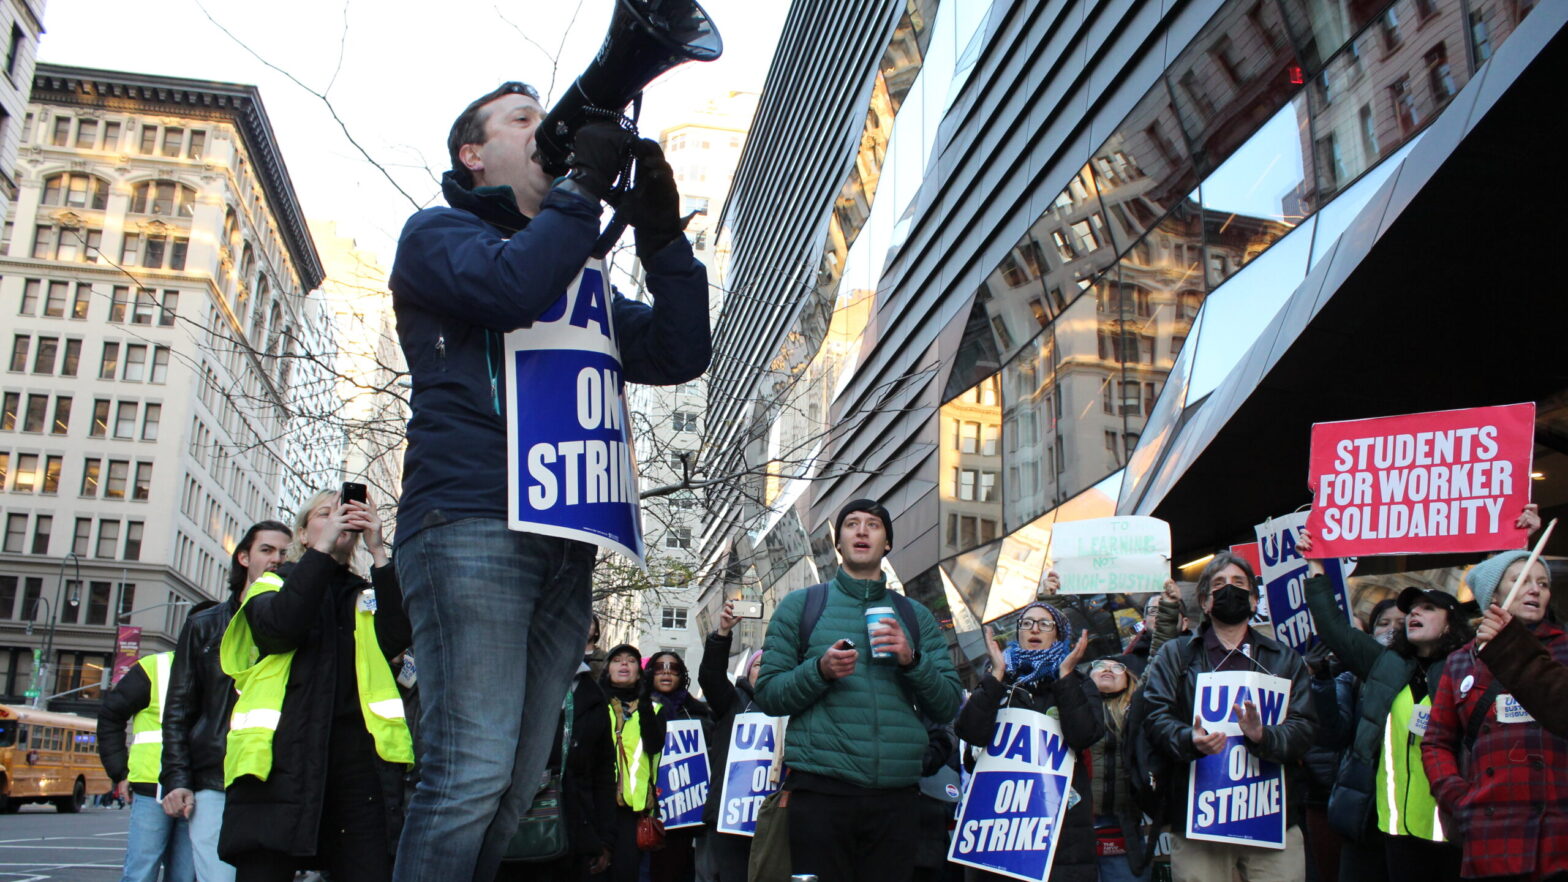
(1011,816)
(1235,796)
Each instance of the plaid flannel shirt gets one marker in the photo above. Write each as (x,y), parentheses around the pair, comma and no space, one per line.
(1509,793)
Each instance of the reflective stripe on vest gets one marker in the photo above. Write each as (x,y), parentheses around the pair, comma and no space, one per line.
(1405,806)
(634,770)
(146,754)
(262,681)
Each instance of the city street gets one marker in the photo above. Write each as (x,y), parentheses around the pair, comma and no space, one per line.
(37,843)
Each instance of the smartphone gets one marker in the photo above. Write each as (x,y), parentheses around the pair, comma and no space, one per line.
(748,609)
(352,492)
(846,643)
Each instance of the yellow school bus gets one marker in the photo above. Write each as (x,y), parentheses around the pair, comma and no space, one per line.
(48,757)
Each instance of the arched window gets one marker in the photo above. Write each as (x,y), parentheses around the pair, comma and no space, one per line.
(163,198)
(76,190)
(247,262)
(231,228)
(258,330)
(275,323)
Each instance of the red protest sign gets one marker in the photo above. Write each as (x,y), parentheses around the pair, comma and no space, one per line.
(1424,483)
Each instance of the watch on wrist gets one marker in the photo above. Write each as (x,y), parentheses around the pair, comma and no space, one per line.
(914,660)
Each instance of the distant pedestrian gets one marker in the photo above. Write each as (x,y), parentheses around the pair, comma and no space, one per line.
(637,735)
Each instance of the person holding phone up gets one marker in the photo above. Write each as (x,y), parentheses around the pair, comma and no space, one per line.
(317,742)
(856,741)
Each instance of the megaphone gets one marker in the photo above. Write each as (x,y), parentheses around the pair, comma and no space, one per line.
(645,39)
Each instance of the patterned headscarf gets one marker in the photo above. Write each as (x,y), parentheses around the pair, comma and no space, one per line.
(1028,665)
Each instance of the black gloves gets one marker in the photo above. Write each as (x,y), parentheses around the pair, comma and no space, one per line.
(597,153)
(652,206)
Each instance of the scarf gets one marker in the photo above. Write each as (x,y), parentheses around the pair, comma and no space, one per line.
(675,699)
(1044,665)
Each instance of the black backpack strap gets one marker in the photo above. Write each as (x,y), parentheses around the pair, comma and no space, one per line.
(816,601)
(906,614)
(1478,719)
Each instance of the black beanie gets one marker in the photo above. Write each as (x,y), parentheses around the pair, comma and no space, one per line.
(870,506)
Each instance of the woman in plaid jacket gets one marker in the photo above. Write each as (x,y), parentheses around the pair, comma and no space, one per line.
(1497,773)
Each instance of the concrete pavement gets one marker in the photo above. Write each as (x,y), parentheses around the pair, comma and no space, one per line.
(39,844)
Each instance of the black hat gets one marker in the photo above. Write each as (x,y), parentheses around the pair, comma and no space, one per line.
(870,506)
(1411,596)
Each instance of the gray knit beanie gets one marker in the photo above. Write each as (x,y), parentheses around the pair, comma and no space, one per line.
(1484,577)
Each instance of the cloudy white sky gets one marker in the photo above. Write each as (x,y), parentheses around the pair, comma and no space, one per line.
(406,71)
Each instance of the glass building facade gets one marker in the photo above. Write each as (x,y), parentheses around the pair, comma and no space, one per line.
(1053,367)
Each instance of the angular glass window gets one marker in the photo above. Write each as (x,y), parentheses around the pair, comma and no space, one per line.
(970,499)
(1261,192)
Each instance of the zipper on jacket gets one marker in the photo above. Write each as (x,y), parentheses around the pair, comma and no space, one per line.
(490,368)
(441,349)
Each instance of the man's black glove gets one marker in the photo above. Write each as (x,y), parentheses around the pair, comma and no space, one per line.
(652,206)
(597,153)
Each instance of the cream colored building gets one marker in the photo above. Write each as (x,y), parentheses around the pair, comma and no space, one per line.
(21,24)
(156,280)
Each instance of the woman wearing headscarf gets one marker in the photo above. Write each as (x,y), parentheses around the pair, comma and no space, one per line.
(1381,794)
(667,684)
(723,856)
(637,735)
(1038,672)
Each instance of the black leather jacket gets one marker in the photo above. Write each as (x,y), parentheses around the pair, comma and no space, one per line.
(198,704)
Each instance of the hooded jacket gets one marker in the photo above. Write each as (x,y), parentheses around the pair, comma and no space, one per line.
(726,700)
(198,704)
(864,729)
(467,274)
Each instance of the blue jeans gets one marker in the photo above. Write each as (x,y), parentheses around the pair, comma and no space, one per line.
(1114,868)
(500,622)
(205,823)
(155,840)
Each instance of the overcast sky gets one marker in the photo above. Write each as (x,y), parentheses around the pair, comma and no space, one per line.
(407,70)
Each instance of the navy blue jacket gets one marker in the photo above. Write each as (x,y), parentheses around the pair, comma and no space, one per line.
(466,275)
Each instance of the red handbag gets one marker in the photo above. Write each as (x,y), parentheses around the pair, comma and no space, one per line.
(650,833)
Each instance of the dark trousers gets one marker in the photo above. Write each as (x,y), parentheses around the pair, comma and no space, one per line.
(625,859)
(677,860)
(730,855)
(1364,860)
(853,838)
(352,844)
(1413,859)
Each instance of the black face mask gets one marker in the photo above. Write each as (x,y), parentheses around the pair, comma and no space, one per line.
(1232,605)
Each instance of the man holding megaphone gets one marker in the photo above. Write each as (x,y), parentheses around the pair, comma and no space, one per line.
(500,615)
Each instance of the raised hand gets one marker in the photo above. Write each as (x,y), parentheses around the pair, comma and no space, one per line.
(998,660)
(1251,721)
(727,619)
(1208,743)
(1073,658)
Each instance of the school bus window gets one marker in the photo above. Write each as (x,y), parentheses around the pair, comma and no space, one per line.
(7,733)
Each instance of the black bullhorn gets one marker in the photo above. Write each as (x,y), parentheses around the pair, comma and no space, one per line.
(646,38)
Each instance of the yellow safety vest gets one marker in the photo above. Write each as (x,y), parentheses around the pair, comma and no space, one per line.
(146,759)
(261,682)
(1405,806)
(635,769)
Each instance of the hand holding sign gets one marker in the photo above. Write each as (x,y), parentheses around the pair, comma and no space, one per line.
(1529,520)
(839,661)
(1251,721)
(1208,743)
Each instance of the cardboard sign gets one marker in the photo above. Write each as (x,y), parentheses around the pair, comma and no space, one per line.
(748,772)
(1426,483)
(1118,555)
(683,774)
(1284,575)
(572,471)
(1234,796)
(1011,817)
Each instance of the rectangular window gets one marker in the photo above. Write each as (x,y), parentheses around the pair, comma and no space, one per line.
(48,352)
(177,250)
(133,551)
(30,291)
(90,469)
(135,362)
(73,357)
(119,475)
(131,250)
(160,365)
(87,134)
(673,617)
(197,145)
(62,132)
(149,140)
(98,592)
(41,527)
(13,406)
(33,418)
(1438,73)
(152,255)
(111,136)
(54,301)
(173,140)
(84,293)
(678,537)
(1404,101)
(8,599)
(1480,36)
(100,426)
(109,365)
(118,302)
(141,314)
(21,344)
(26,473)
(125,420)
(5,468)
(142,488)
(151,414)
(15,533)
(171,308)
(84,533)
(1368,133)
(52,474)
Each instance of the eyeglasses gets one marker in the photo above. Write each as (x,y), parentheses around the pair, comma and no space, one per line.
(1113,667)
(1036,625)
(666,667)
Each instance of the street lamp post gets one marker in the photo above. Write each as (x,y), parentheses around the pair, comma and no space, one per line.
(45,666)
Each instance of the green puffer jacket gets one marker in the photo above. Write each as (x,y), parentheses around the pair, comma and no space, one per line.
(862,729)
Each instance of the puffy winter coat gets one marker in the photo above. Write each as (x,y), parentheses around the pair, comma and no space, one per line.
(863,729)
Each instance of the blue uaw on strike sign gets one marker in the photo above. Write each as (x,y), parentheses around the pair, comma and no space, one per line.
(1284,578)
(748,772)
(572,472)
(683,775)
(1011,817)
(1234,796)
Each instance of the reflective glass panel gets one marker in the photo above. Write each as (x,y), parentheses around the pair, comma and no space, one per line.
(1143,171)
(1334,217)
(1030,415)
(970,460)
(1257,195)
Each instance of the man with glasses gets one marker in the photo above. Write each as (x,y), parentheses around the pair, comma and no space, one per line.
(854,666)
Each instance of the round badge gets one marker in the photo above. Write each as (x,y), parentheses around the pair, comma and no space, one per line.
(1465,684)
(952,790)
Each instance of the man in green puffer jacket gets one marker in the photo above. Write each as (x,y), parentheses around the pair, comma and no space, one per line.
(855,741)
